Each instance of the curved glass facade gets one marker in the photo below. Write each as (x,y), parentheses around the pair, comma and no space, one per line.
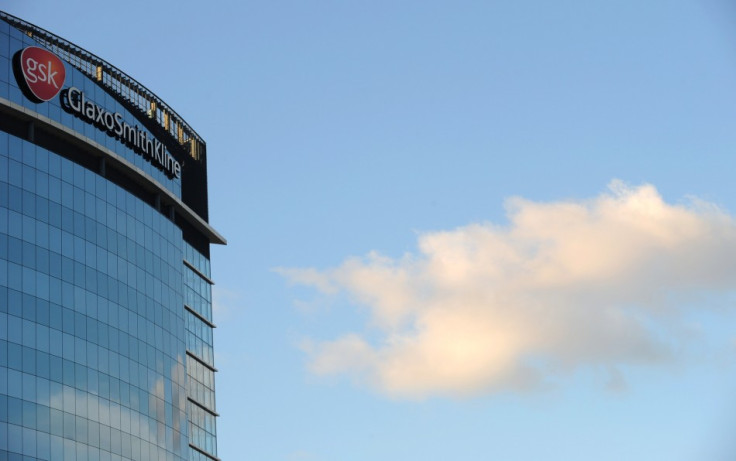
(105,290)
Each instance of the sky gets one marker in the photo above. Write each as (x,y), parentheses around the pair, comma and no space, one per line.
(468,230)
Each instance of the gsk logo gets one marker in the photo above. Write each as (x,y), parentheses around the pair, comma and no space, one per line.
(39,73)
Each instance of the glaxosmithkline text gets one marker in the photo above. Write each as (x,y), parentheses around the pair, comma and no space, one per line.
(74,101)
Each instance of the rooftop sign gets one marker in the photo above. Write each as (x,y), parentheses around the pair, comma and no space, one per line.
(74,101)
(40,75)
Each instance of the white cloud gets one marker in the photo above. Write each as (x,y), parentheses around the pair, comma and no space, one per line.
(224,302)
(484,308)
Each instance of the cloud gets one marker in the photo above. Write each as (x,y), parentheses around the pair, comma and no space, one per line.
(564,285)
(224,302)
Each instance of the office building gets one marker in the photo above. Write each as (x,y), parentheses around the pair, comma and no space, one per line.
(105,290)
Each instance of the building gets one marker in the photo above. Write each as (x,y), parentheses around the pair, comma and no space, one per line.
(105,289)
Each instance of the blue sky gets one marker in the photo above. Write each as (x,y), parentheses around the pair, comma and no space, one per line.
(457,230)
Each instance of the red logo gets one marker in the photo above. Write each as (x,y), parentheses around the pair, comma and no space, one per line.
(43,73)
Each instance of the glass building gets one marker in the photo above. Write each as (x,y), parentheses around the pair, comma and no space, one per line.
(105,289)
